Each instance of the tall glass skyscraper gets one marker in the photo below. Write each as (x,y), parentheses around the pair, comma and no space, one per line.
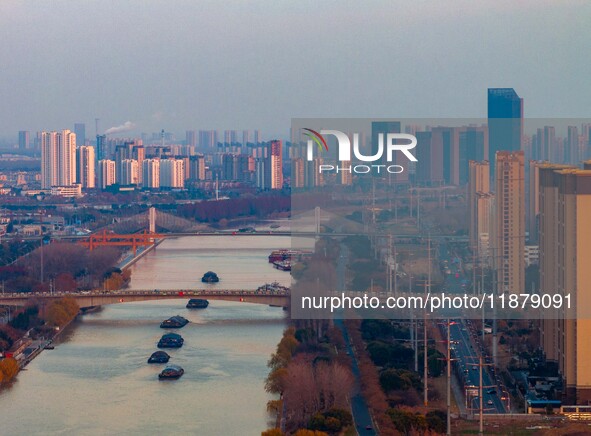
(505,122)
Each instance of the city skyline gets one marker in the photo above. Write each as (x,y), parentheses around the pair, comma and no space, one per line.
(403,189)
(248,79)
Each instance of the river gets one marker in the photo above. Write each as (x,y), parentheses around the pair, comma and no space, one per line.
(97,381)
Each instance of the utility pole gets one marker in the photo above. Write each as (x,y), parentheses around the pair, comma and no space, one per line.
(425,348)
(410,202)
(481,365)
(395,273)
(389,266)
(474,270)
(448,433)
(419,209)
(448,360)
(416,335)
(480,419)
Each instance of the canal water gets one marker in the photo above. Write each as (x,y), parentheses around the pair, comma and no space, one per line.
(97,381)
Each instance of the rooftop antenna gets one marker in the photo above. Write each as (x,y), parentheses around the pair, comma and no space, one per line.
(162,137)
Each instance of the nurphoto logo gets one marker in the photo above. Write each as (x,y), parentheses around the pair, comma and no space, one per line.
(402,142)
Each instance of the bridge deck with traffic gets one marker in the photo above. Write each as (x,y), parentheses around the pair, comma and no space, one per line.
(100,297)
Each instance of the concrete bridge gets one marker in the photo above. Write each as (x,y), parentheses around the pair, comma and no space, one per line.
(100,298)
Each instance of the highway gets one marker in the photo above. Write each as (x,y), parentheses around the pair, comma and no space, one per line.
(464,349)
(467,371)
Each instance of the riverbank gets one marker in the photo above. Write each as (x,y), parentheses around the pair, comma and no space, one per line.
(131,259)
(25,349)
(41,344)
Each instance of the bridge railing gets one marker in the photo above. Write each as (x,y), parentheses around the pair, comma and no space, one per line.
(143,292)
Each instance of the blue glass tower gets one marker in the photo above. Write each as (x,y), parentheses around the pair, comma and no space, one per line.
(505,122)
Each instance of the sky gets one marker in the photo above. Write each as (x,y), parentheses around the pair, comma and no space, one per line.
(198,64)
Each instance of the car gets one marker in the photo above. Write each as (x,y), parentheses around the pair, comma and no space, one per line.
(489,402)
(491,391)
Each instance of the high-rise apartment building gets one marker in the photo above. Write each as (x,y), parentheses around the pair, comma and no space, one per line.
(245,137)
(429,170)
(544,145)
(478,183)
(80,131)
(172,173)
(261,173)
(345,177)
(473,145)
(297,173)
(23,140)
(485,206)
(245,168)
(565,238)
(505,122)
(533,200)
(312,175)
(229,167)
(191,138)
(130,172)
(151,173)
(58,159)
(508,241)
(101,151)
(197,167)
(448,140)
(208,139)
(85,166)
(230,137)
(129,150)
(572,152)
(106,173)
(274,165)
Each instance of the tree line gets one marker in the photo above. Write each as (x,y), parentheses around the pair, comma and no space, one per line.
(389,386)
(66,267)
(213,211)
(313,383)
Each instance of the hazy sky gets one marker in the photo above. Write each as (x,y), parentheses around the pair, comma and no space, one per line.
(217,64)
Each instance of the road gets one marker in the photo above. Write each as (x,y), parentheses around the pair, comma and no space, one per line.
(464,349)
(467,371)
(361,416)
